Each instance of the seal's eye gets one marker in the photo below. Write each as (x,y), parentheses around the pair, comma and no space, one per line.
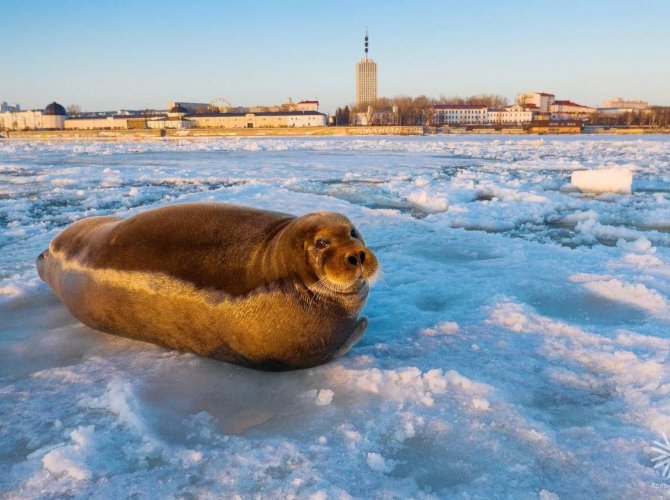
(354,233)
(321,244)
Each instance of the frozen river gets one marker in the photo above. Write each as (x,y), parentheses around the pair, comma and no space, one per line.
(518,342)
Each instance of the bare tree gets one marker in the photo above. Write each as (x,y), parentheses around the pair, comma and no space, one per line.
(406,110)
(488,100)
(73,110)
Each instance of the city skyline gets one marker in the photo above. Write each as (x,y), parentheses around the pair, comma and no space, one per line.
(127,55)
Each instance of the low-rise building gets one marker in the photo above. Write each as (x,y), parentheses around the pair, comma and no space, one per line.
(618,106)
(192,107)
(556,127)
(566,110)
(220,120)
(175,119)
(622,111)
(515,114)
(371,117)
(114,122)
(542,101)
(52,117)
(292,119)
(474,114)
(621,104)
(169,123)
(287,106)
(30,119)
(307,106)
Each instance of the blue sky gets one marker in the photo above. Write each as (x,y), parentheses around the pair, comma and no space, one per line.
(134,54)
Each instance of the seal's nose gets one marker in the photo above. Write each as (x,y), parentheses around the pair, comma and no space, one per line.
(356,258)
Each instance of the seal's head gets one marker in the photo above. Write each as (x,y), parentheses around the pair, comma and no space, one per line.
(338,262)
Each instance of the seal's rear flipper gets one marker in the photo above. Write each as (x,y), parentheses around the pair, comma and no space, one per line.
(40,262)
(353,339)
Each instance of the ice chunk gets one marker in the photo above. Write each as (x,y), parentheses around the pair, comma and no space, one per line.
(71,459)
(443,328)
(480,404)
(633,294)
(10,291)
(547,495)
(603,180)
(325,397)
(640,245)
(428,202)
(377,463)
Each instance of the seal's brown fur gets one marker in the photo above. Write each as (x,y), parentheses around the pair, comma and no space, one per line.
(248,286)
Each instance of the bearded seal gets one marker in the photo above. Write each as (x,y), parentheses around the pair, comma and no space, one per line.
(261,289)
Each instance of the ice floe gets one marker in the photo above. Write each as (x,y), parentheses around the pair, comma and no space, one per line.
(517,347)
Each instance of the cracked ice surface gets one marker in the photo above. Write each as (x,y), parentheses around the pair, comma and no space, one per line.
(518,342)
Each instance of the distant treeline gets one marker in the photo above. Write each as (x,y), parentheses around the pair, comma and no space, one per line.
(412,110)
(656,116)
(419,111)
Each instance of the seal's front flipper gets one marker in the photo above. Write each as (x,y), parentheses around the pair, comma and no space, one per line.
(353,339)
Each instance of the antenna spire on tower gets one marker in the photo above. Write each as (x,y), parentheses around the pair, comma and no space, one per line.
(366,42)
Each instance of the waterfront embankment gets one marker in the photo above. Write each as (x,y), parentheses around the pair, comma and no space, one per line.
(149,134)
(140,134)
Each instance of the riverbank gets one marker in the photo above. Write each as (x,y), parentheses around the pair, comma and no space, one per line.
(149,134)
(212,132)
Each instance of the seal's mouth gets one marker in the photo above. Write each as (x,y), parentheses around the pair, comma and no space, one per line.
(328,287)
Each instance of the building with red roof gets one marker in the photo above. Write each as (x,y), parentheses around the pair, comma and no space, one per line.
(540,100)
(566,109)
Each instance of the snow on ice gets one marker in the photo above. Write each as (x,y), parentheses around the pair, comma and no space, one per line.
(518,339)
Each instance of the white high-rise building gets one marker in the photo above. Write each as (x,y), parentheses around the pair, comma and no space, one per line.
(366,78)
